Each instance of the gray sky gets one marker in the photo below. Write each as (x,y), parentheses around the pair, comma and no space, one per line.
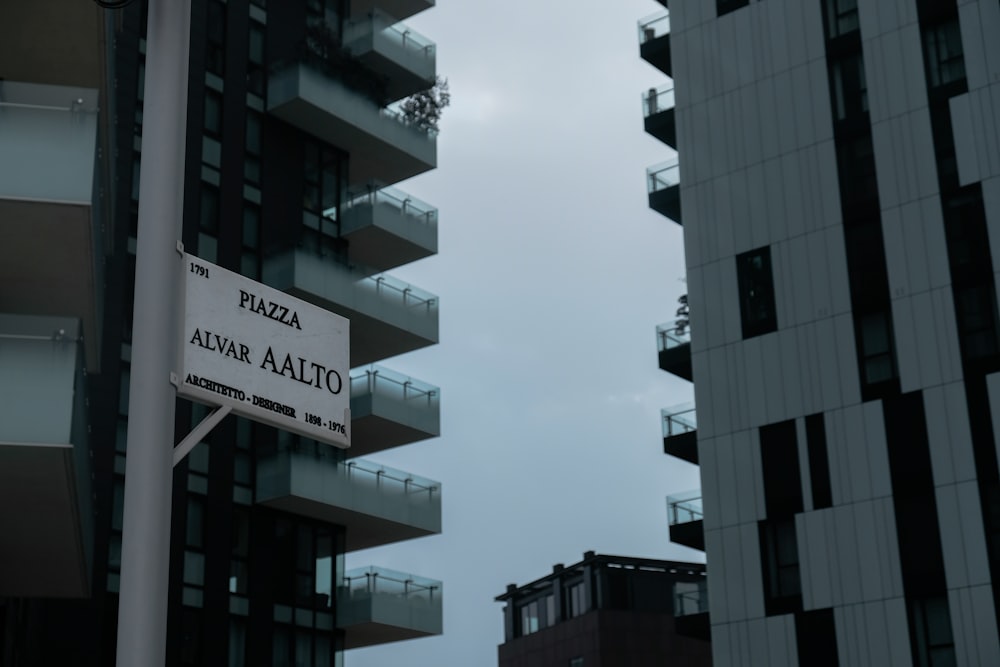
(552,274)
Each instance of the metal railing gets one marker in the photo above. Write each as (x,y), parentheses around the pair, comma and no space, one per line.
(679,419)
(690,597)
(377,379)
(656,100)
(408,207)
(654,26)
(391,479)
(684,508)
(390,288)
(398,33)
(382,581)
(664,175)
(669,336)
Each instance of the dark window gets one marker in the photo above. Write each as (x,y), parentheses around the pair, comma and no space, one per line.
(576,601)
(975,308)
(943,52)
(753,273)
(215,50)
(933,644)
(878,362)
(850,90)
(779,455)
(856,170)
(819,464)
(780,562)
(816,637)
(256,76)
(726,6)
(213,113)
(841,17)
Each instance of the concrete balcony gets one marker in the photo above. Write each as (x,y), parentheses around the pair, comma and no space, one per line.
(46,503)
(658,114)
(406,60)
(383,146)
(654,41)
(674,345)
(389,409)
(388,317)
(691,609)
(400,9)
(50,235)
(680,432)
(686,520)
(387,228)
(377,606)
(377,505)
(663,182)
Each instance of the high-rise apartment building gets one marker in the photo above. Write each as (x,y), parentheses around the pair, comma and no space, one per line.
(840,185)
(295,138)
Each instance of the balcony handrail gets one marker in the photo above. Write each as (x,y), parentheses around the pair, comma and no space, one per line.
(411,296)
(366,381)
(659,99)
(47,97)
(397,32)
(684,508)
(399,584)
(687,602)
(654,26)
(679,419)
(669,336)
(664,175)
(411,483)
(409,206)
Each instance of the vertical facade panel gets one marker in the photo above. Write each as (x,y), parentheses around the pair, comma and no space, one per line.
(728,508)
(750,506)
(876,450)
(955,569)
(973,538)
(876,630)
(753,584)
(938,436)
(898,634)
(733,553)
(846,549)
(888,549)
(836,267)
(708,455)
(815,553)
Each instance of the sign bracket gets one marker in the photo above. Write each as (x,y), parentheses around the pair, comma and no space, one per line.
(200,431)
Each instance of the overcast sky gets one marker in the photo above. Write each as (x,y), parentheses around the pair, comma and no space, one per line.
(552,274)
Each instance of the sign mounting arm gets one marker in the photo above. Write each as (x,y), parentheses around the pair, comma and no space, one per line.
(199,432)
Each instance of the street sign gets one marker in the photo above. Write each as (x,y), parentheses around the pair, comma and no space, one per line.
(272,357)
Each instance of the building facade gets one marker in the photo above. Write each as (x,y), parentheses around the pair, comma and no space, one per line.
(295,137)
(840,183)
(609,611)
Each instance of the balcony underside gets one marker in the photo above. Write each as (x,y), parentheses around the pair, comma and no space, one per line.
(683,446)
(663,126)
(46,522)
(690,534)
(405,73)
(667,202)
(677,361)
(309,486)
(382,238)
(697,626)
(656,52)
(382,148)
(398,9)
(380,327)
(379,423)
(376,619)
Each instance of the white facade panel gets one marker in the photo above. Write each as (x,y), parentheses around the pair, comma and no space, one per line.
(815,553)
(877,450)
(753,582)
(718,582)
(847,554)
(791,374)
(876,631)
(750,506)
(759,653)
(728,508)
(898,633)
(888,548)
(733,553)
(774,185)
(781,641)
(708,457)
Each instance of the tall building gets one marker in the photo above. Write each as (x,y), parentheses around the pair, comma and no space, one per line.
(840,187)
(295,139)
(606,611)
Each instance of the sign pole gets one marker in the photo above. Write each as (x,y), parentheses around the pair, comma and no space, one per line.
(142,615)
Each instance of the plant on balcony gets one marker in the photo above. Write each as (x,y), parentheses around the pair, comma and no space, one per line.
(683,314)
(424,109)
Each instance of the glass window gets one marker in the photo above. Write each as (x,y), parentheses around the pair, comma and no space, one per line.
(529,618)
(850,91)
(780,560)
(756,287)
(931,622)
(726,6)
(841,17)
(943,52)
(577,600)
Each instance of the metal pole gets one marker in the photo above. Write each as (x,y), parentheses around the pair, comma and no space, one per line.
(142,615)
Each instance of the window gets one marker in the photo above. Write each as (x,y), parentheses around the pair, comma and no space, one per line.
(779,454)
(850,91)
(819,463)
(215,50)
(576,600)
(780,562)
(256,74)
(529,618)
(933,645)
(943,52)
(856,169)
(576,662)
(756,286)
(975,306)
(726,6)
(841,17)
(878,362)
(816,637)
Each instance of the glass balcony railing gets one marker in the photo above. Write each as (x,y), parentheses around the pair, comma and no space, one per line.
(369,581)
(653,26)
(393,290)
(381,381)
(684,508)
(669,336)
(388,28)
(408,207)
(679,419)
(662,176)
(656,100)
(690,597)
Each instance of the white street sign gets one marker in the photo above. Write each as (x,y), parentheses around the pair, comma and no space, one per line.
(272,357)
